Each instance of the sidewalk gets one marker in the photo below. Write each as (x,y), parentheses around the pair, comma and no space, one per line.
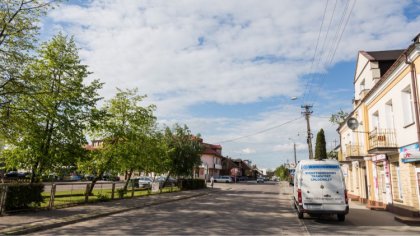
(35,221)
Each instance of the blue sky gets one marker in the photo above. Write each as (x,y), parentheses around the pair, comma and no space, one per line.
(228,69)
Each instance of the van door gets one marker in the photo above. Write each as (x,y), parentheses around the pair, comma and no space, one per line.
(312,190)
(333,194)
(323,187)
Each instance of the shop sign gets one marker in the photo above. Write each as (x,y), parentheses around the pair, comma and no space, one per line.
(410,156)
(410,153)
(381,157)
(414,146)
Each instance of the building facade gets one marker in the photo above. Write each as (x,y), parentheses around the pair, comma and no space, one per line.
(381,155)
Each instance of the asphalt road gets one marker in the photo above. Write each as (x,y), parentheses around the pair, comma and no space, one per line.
(245,208)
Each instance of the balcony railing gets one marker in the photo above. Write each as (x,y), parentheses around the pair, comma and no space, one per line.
(382,138)
(354,151)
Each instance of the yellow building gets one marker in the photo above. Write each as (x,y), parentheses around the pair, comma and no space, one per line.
(382,153)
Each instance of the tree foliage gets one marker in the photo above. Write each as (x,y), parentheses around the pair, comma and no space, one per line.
(19,26)
(126,133)
(332,155)
(282,172)
(184,150)
(49,122)
(320,146)
(339,117)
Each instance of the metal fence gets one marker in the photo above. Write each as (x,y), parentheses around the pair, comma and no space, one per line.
(382,138)
(354,150)
(59,195)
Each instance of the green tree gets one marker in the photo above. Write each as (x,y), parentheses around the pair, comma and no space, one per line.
(51,121)
(183,151)
(320,146)
(332,154)
(19,27)
(339,117)
(282,172)
(127,136)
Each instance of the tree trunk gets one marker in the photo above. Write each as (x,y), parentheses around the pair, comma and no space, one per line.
(166,179)
(128,178)
(92,185)
(33,172)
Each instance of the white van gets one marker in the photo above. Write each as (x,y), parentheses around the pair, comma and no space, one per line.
(319,188)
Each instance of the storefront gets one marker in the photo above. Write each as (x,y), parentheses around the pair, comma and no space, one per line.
(410,174)
(381,180)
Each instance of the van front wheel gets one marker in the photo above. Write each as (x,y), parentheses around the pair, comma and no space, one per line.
(341,217)
(300,215)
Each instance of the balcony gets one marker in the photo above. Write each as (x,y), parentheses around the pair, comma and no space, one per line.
(382,141)
(354,152)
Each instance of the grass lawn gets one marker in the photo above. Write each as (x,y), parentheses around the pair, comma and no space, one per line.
(73,197)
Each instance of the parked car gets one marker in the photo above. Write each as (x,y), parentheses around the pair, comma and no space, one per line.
(260,180)
(223,179)
(145,181)
(15,174)
(110,178)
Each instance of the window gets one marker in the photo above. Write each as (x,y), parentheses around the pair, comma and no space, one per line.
(362,85)
(389,115)
(375,120)
(407,106)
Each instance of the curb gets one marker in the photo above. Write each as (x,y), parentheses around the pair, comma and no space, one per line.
(412,221)
(39,226)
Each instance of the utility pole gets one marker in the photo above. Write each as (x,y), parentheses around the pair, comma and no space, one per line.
(294,149)
(307,112)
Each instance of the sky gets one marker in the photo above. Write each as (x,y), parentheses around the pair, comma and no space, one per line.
(228,69)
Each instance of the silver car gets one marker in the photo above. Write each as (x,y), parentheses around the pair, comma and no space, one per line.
(145,181)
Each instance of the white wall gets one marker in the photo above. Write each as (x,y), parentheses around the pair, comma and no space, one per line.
(404,135)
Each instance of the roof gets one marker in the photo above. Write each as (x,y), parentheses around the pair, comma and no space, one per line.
(388,55)
(212,149)
(385,59)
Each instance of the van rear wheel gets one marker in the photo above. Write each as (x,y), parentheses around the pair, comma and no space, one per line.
(341,217)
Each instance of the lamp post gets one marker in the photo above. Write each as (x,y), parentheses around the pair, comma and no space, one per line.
(294,150)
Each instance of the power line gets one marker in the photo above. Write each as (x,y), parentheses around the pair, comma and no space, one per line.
(316,49)
(259,132)
(334,49)
(323,49)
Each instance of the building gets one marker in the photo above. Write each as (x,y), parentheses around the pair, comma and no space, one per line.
(381,155)
(211,161)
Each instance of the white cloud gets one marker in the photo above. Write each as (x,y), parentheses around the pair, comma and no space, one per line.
(248,151)
(188,52)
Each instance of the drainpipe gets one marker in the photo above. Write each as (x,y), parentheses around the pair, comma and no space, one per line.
(415,97)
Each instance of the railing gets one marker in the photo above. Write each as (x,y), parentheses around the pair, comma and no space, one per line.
(354,150)
(58,195)
(382,138)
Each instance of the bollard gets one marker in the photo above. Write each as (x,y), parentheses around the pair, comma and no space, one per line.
(113,190)
(52,196)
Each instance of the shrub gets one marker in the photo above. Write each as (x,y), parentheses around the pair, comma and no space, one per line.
(121,192)
(22,196)
(103,197)
(189,184)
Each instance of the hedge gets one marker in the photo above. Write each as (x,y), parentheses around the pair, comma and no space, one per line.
(190,184)
(22,196)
